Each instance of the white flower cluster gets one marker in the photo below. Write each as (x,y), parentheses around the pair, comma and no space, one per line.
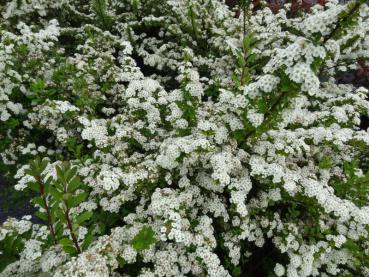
(34,43)
(15,226)
(96,131)
(322,21)
(298,58)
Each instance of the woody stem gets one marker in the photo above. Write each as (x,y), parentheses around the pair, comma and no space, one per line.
(47,208)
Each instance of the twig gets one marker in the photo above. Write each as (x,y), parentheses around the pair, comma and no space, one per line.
(47,208)
(69,223)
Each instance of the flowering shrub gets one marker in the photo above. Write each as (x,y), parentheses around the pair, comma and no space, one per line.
(173,138)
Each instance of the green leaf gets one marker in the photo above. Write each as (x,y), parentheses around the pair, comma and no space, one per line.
(23,49)
(43,164)
(247,41)
(244,3)
(83,217)
(59,229)
(76,200)
(12,123)
(38,201)
(59,172)
(58,196)
(60,215)
(33,186)
(48,181)
(37,86)
(122,262)
(87,241)
(71,250)
(351,245)
(325,162)
(65,241)
(67,196)
(144,239)
(70,173)
(29,171)
(68,246)
(74,184)
(100,9)
(41,215)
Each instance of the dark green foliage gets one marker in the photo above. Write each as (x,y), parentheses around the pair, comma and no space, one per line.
(144,239)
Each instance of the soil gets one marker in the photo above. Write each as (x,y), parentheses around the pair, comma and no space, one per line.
(13,203)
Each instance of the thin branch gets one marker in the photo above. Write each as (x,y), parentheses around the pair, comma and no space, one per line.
(69,222)
(72,234)
(47,208)
(244,20)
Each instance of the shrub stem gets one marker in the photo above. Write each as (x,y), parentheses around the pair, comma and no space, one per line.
(47,208)
(69,222)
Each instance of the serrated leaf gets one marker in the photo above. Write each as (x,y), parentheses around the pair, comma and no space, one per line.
(144,239)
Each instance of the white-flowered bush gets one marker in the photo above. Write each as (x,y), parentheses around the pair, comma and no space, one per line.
(176,138)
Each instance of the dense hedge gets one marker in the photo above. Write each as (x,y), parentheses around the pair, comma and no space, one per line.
(185,137)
